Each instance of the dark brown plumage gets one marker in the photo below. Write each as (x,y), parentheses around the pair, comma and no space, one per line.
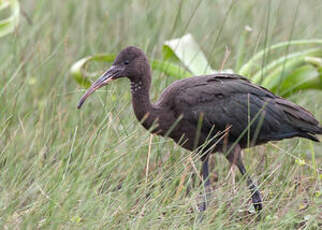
(213,113)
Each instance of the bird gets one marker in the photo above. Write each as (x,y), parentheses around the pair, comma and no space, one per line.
(220,112)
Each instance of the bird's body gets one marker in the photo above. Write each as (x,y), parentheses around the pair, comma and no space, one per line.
(227,104)
(212,113)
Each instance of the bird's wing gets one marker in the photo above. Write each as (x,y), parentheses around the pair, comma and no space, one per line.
(229,100)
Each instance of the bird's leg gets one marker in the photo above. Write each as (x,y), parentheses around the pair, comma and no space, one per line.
(256,196)
(206,183)
(234,157)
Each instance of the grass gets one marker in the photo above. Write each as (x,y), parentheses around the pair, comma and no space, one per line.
(61,168)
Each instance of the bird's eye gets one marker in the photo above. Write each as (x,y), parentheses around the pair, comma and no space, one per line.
(126,62)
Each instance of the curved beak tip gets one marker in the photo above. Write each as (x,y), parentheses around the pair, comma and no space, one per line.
(100,82)
(84,97)
(79,105)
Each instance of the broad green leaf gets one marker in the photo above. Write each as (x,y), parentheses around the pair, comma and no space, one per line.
(304,77)
(78,72)
(189,53)
(8,25)
(278,74)
(317,61)
(283,64)
(169,55)
(288,74)
(247,68)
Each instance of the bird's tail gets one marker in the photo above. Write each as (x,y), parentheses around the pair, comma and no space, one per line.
(301,119)
(320,130)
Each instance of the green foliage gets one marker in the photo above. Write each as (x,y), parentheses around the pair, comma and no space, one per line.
(81,76)
(8,24)
(79,73)
(97,168)
(284,75)
(187,51)
(290,73)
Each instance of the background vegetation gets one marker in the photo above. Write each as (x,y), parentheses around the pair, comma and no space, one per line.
(97,168)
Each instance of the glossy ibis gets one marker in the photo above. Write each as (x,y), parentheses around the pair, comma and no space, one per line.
(213,113)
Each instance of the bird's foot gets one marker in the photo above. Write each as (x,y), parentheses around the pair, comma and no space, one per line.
(206,198)
(202,206)
(257,201)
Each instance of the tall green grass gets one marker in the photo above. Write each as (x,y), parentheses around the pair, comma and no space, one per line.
(61,168)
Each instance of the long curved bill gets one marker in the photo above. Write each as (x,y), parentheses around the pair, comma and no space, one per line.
(100,82)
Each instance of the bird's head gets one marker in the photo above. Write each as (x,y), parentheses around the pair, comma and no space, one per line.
(131,63)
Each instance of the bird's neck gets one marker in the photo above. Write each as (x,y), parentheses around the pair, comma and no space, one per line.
(142,106)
